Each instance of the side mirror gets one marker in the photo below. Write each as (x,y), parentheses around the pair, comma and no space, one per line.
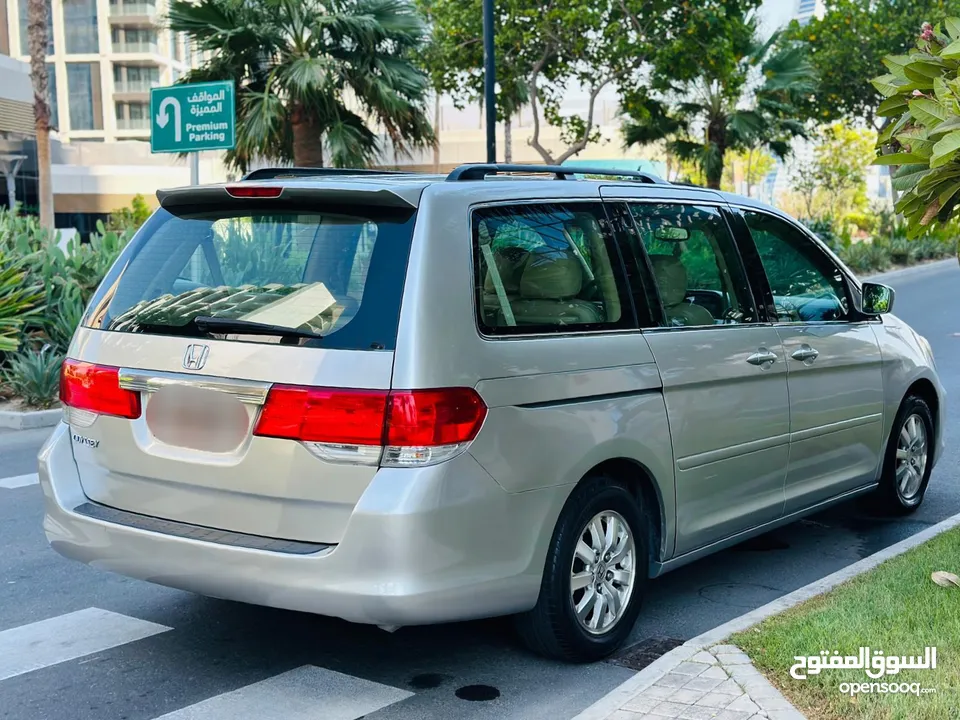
(877,299)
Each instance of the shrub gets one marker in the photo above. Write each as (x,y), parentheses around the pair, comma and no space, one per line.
(20,300)
(34,376)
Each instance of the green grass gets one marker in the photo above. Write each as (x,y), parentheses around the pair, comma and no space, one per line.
(895,608)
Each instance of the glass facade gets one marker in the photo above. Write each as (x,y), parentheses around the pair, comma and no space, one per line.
(52,88)
(80,26)
(24,35)
(80,87)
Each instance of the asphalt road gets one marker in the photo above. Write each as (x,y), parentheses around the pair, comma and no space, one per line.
(287,665)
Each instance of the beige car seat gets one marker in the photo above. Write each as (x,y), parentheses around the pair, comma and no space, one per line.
(671,277)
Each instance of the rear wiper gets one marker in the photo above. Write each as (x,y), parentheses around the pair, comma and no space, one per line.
(206,323)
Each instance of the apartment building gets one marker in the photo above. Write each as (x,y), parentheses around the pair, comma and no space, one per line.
(103,57)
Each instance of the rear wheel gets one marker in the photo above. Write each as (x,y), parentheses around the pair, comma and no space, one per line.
(907,466)
(594,576)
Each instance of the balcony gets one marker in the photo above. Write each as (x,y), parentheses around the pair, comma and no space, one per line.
(136,46)
(133,14)
(133,89)
(133,123)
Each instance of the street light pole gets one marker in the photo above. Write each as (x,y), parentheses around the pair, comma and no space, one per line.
(489,81)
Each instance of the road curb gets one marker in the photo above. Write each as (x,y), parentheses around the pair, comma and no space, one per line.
(29,419)
(612,701)
(920,269)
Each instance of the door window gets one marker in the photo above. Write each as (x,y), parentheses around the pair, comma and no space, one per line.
(695,264)
(547,268)
(806,285)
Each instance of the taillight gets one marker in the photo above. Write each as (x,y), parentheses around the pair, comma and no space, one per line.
(399,428)
(254,191)
(96,389)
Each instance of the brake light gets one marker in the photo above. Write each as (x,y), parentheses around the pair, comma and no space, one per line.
(96,389)
(253,191)
(410,427)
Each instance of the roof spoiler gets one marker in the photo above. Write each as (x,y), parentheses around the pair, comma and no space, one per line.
(406,198)
(304,172)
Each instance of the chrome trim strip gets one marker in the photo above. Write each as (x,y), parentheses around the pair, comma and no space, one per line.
(835,427)
(711,456)
(252,392)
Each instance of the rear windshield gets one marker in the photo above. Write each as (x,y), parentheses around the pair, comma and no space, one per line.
(336,273)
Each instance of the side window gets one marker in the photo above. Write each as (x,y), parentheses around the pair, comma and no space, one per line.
(547,268)
(806,285)
(695,264)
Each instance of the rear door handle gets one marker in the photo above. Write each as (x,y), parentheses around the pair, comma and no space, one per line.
(763,358)
(805,354)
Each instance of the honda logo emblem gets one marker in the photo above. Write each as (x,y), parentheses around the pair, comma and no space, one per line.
(195,357)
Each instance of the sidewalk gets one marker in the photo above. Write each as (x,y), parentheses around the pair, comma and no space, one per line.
(707,679)
(719,682)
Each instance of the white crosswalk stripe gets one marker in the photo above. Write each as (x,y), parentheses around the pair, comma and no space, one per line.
(18,481)
(67,637)
(306,693)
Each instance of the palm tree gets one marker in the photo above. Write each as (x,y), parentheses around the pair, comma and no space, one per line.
(701,118)
(313,74)
(37,28)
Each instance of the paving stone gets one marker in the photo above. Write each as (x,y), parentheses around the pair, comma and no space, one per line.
(742,672)
(791,714)
(729,687)
(725,649)
(714,671)
(660,692)
(673,680)
(704,657)
(770,705)
(715,700)
(625,715)
(704,684)
(698,712)
(690,668)
(687,696)
(737,658)
(643,703)
(669,709)
(732,715)
(744,704)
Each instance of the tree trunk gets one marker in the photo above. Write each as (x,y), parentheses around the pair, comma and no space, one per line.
(37,36)
(307,139)
(436,133)
(716,136)
(508,141)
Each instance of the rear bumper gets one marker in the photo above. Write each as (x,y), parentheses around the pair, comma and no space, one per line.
(422,546)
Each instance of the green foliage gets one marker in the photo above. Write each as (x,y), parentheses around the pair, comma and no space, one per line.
(129,218)
(923,138)
(34,376)
(848,44)
(19,300)
(700,98)
(60,281)
(312,74)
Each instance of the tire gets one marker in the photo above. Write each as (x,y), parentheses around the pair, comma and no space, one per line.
(552,628)
(904,494)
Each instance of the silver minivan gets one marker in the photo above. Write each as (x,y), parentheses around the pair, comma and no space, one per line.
(403,399)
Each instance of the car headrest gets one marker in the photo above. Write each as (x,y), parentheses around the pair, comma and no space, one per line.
(551,275)
(510,263)
(671,277)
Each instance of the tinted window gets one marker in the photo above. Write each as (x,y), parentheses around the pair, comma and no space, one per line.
(338,273)
(695,264)
(806,285)
(547,268)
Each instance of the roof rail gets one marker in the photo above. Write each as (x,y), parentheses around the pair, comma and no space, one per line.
(291,172)
(478,171)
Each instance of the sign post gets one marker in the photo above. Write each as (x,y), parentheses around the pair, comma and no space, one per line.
(191,118)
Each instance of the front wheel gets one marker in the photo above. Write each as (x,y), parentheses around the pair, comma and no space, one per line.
(907,464)
(594,576)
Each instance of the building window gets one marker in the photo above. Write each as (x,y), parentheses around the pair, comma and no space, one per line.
(25,35)
(80,26)
(80,87)
(52,90)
